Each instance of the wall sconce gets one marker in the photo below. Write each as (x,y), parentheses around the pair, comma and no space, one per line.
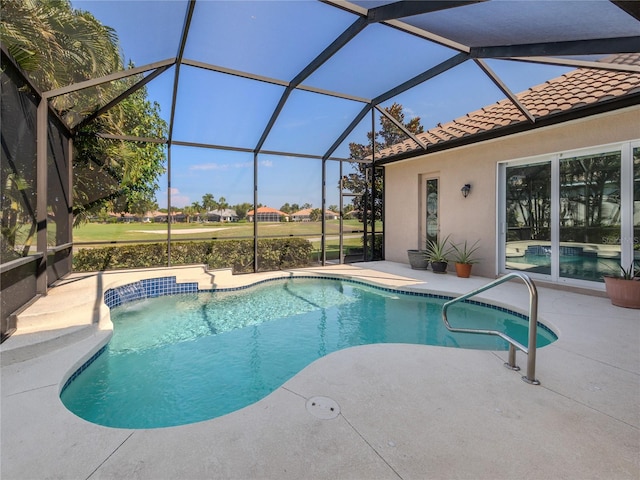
(466,189)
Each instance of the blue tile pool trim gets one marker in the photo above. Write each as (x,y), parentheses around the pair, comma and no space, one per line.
(156,287)
(385,289)
(148,288)
(83,368)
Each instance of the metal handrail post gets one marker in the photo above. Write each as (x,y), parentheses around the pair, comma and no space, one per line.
(533,334)
(513,343)
(511,362)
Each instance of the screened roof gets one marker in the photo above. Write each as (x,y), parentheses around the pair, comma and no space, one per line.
(301,77)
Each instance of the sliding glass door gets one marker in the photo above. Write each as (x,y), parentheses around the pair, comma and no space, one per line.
(571,217)
(528,217)
(590,215)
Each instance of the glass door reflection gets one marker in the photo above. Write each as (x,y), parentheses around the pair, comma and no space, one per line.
(590,216)
(528,218)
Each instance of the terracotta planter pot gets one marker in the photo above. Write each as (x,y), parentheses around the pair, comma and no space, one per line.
(439,267)
(463,269)
(623,293)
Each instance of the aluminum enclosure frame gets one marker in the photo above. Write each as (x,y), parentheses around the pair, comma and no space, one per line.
(390,14)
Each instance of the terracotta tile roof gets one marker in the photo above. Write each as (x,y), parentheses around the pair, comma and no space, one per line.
(578,88)
(267,210)
(307,212)
(304,211)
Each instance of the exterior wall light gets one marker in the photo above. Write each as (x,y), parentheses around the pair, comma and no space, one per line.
(466,189)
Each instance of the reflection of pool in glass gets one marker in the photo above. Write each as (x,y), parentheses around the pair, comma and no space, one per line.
(571,266)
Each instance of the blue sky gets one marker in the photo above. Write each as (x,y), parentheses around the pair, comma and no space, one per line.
(277,40)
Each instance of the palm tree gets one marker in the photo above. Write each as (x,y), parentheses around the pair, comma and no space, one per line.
(59,46)
(222,203)
(209,202)
(189,212)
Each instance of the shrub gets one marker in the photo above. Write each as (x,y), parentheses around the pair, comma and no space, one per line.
(273,254)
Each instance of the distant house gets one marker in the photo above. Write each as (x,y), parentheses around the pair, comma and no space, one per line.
(160,217)
(224,215)
(305,215)
(124,217)
(154,216)
(178,217)
(267,214)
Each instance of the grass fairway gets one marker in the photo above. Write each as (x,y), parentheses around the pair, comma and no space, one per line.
(134,232)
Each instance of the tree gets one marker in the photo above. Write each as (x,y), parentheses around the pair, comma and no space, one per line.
(189,212)
(359,181)
(315,215)
(124,173)
(56,44)
(286,208)
(197,207)
(59,46)
(242,209)
(222,203)
(333,208)
(143,206)
(209,202)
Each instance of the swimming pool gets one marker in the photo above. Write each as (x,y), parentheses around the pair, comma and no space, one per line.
(185,358)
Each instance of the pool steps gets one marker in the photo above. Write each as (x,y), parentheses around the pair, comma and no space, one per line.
(74,309)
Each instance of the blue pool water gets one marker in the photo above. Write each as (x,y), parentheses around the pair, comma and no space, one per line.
(185,358)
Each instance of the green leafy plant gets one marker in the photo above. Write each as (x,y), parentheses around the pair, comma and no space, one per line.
(438,250)
(273,254)
(631,273)
(464,253)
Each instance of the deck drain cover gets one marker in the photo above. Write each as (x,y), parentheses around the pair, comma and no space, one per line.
(323,407)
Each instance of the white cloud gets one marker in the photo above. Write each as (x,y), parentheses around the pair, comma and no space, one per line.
(209,166)
(177,199)
(221,166)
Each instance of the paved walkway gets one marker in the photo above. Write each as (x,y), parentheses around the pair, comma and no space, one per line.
(406,411)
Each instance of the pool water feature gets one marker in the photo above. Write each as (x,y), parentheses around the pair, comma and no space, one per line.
(185,358)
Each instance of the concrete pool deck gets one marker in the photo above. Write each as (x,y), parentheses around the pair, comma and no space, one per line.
(406,411)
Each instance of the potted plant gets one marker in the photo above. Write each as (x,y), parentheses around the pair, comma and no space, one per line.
(624,288)
(418,259)
(463,256)
(438,254)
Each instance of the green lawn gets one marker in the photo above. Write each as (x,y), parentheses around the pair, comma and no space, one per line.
(132,232)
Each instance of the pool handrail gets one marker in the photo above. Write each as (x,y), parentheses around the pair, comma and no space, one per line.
(530,377)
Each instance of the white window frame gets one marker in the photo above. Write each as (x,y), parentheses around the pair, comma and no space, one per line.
(626,197)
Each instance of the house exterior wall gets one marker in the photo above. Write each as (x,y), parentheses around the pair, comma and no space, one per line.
(474,218)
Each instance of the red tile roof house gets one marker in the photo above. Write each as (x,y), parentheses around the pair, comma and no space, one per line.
(304,215)
(585,112)
(267,214)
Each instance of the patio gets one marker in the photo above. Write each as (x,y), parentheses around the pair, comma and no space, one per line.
(406,411)
(279,103)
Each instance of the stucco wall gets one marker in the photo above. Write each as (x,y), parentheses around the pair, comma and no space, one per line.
(474,217)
